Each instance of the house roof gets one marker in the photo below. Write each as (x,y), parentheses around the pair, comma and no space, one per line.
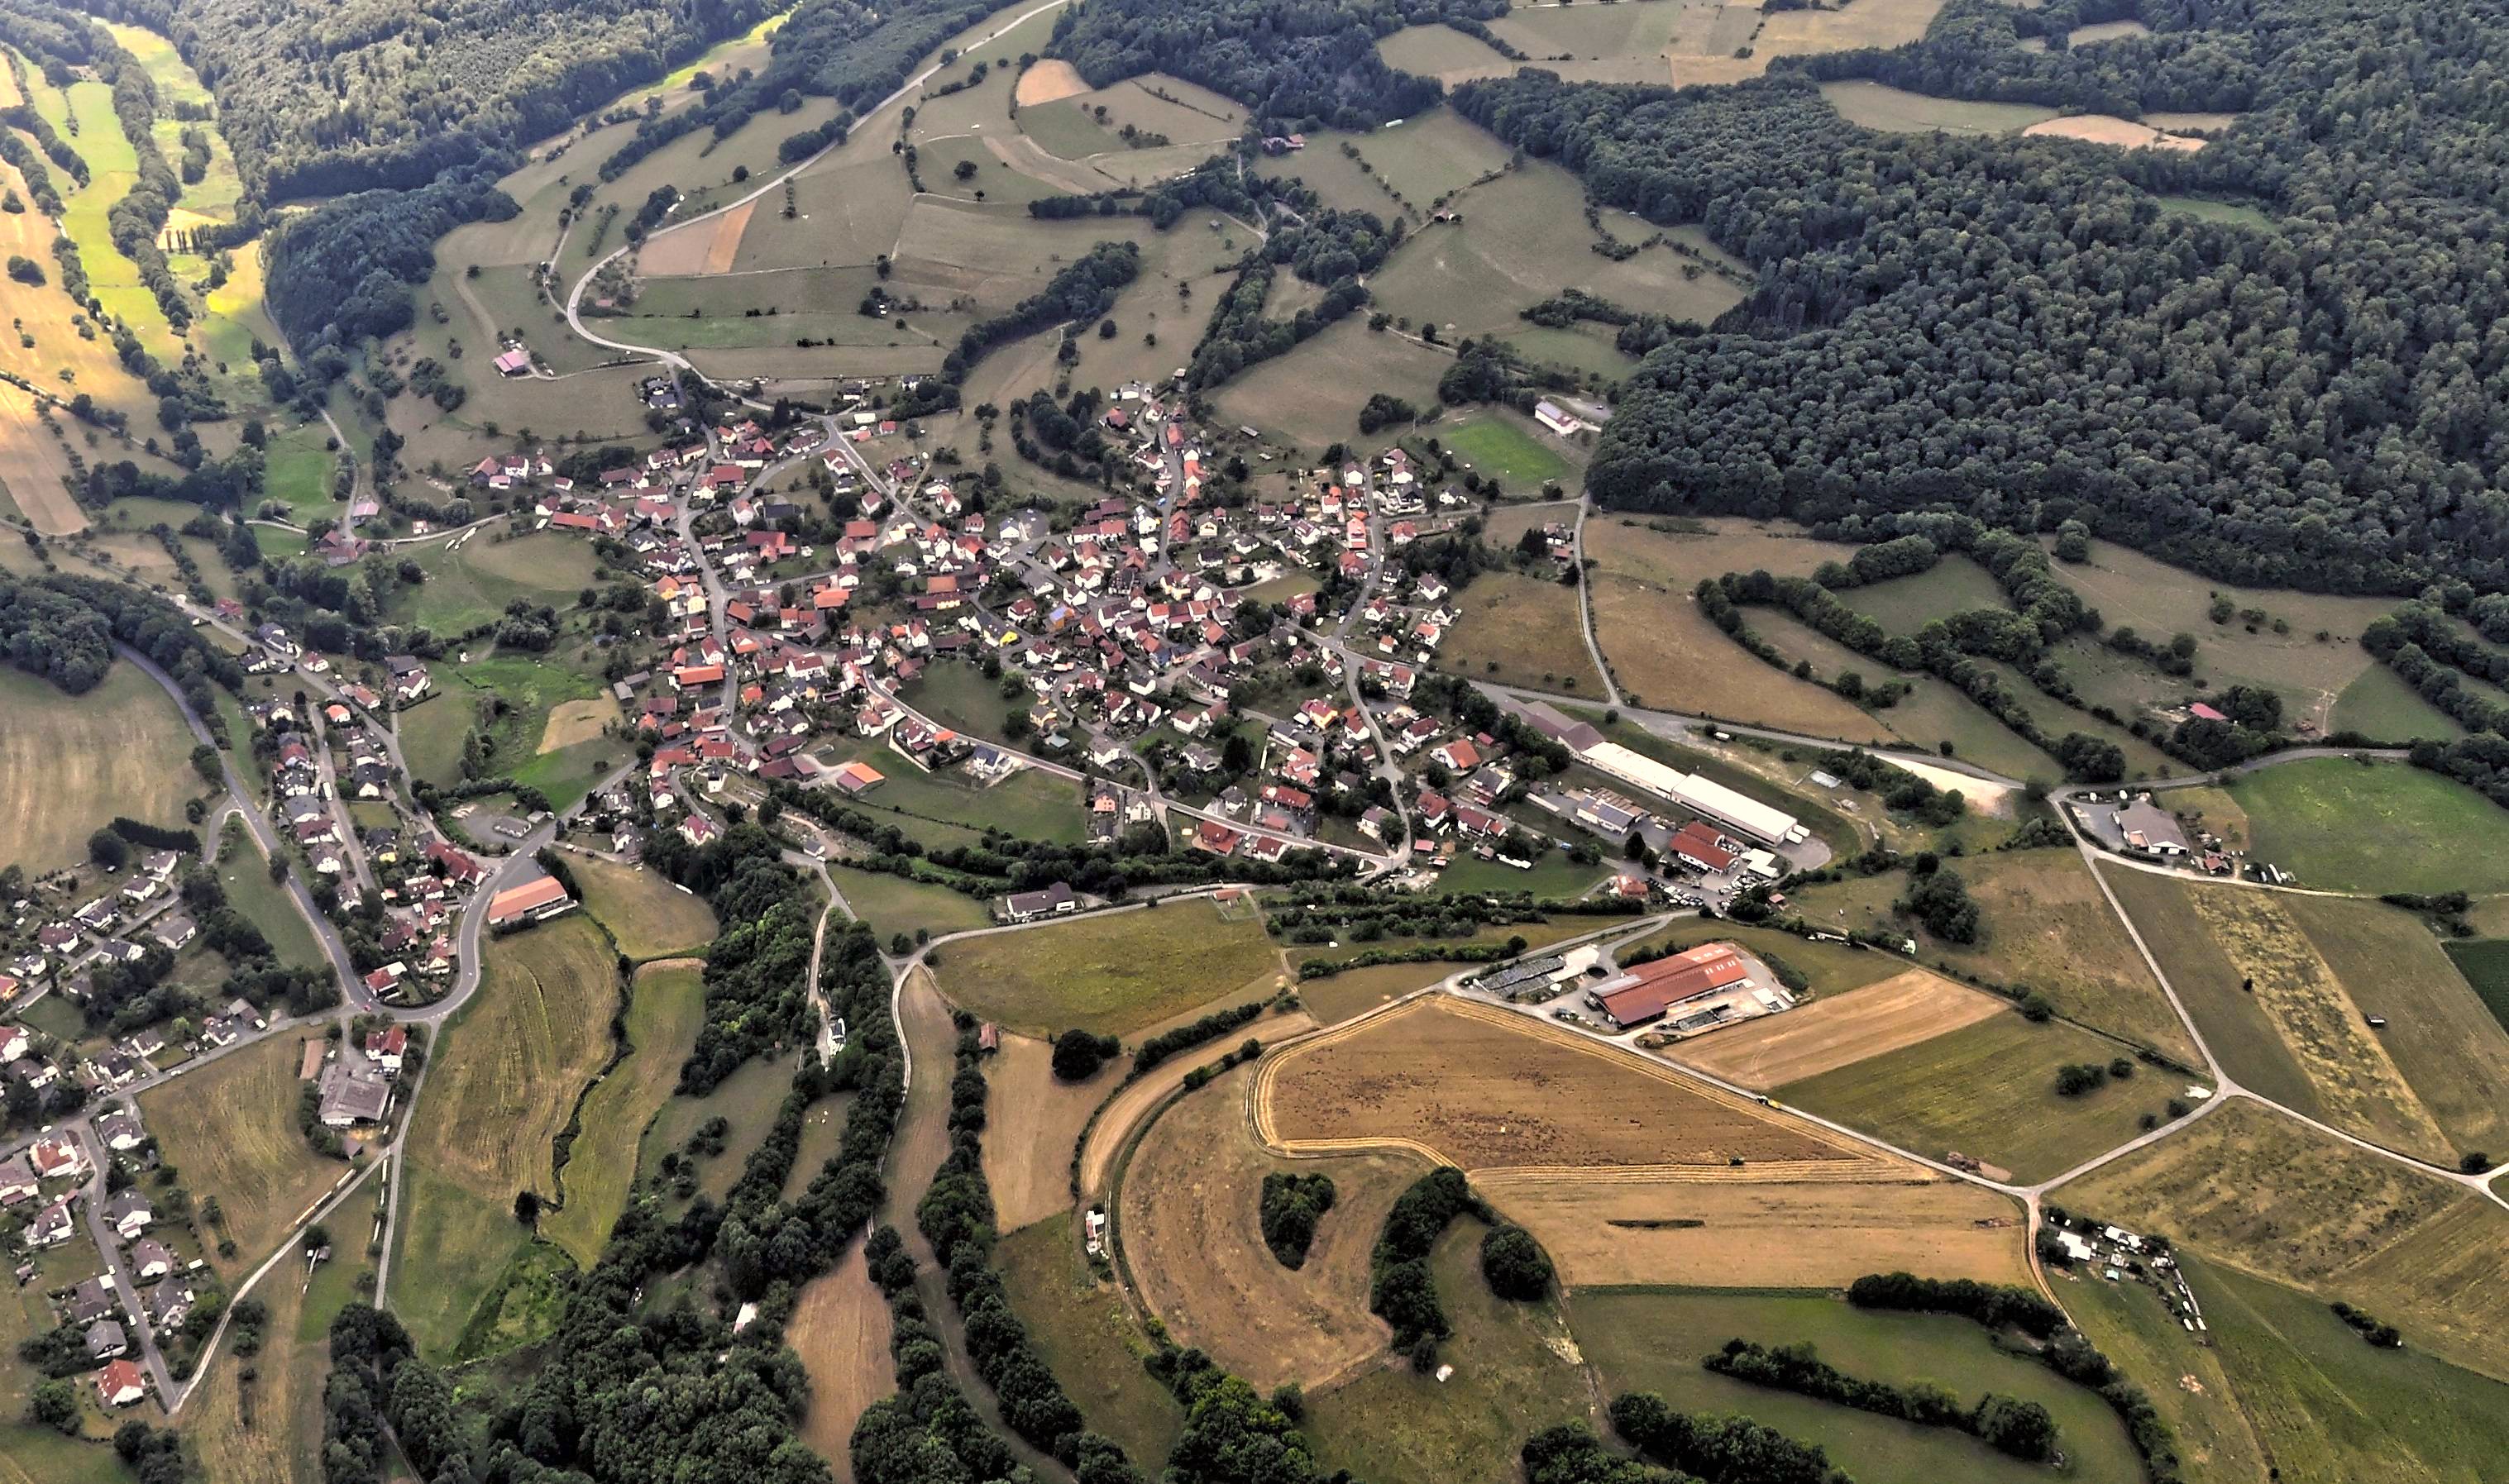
(530,897)
(1650,989)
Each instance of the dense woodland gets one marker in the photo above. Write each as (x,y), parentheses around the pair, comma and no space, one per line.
(2016,327)
(1304,66)
(320,98)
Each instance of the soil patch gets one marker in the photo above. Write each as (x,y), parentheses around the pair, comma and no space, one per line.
(1046,80)
(572,721)
(2104,128)
(1838,1030)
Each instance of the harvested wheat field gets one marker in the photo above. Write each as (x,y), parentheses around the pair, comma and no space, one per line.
(2105,128)
(1767,1234)
(840,1328)
(36,466)
(1487,1088)
(572,721)
(699,247)
(1034,1122)
(1046,80)
(1138,1100)
(1837,1030)
(1187,1219)
(230,1129)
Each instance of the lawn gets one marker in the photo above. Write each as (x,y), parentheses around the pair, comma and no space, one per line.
(1031,804)
(471,586)
(663,1014)
(271,1427)
(531,686)
(1301,397)
(2046,927)
(893,905)
(2379,704)
(70,764)
(1088,1338)
(1111,973)
(502,1086)
(1522,631)
(1652,1339)
(245,871)
(1426,159)
(1988,1090)
(1553,875)
(647,916)
(1513,1377)
(2388,827)
(230,1129)
(957,695)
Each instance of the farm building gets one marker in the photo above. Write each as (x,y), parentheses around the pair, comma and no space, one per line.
(1705,798)
(531,901)
(1696,844)
(1649,990)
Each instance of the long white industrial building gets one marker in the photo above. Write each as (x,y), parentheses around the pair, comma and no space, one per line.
(1709,800)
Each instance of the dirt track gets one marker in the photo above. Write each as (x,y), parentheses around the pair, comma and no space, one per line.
(1128,1107)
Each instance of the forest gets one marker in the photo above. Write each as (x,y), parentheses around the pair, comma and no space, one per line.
(2016,328)
(399,94)
(1308,65)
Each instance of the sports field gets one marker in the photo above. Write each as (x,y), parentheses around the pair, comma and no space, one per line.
(1088,1338)
(1187,1215)
(502,1083)
(1496,445)
(647,916)
(2249,1189)
(664,1010)
(1989,1090)
(2339,825)
(1111,973)
(1522,631)
(69,763)
(1650,1340)
(230,1129)
(1477,1087)
(1032,1122)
